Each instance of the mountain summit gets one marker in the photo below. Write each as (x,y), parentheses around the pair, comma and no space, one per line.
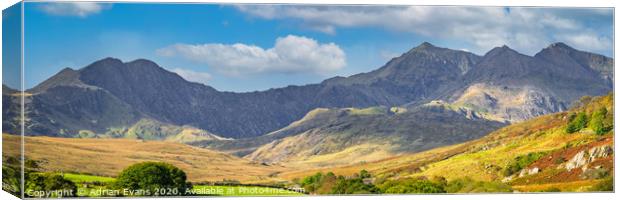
(110,94)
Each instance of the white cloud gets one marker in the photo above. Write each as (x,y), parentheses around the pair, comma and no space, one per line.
(80,9)
(290,54)
(525,29)
(588,41)
(193,76)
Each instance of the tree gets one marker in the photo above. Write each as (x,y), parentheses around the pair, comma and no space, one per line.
(153,179)
(365,174)
(353,186)
(49,185)
(597,122)
(312,183)
(577,122)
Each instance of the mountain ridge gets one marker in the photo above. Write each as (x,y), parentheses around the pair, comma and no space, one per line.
(143,89)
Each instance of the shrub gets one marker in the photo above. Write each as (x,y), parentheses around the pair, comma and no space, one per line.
(329,183)
(49,185)
(311,183)
(411,185)
(521,162)
(153,179)
(467,185)
(353,186)
(597,123)
(577,122)
(551,189)
(365,174)
(11,180)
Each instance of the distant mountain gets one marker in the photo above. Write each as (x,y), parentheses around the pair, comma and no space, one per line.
(370,134)
(516,87)
(111,94)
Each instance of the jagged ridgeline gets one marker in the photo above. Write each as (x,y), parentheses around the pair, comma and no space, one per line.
(111,98)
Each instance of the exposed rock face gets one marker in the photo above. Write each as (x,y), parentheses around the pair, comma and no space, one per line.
(509,86)
(508,103)
(532,171)
(583,158)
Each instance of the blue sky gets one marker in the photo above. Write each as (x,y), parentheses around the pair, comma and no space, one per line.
(257,47)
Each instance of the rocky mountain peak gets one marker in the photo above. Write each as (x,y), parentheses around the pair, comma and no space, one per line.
(109,61)
(560,45)
(501,51)
(424,47)
(556,48)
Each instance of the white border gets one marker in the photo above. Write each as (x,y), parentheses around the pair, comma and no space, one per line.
(557,3)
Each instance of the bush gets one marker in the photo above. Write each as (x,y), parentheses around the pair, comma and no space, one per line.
(353,186)
(311,183)
(49,185)
(551,189)
(521,162)
(411,185)
(597,123)
(365,174)
(467,185)
(577,122)
(329,183)
(153,179)
(11,180)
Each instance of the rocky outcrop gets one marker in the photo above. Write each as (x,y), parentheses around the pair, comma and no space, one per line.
(531,171)
(584,157)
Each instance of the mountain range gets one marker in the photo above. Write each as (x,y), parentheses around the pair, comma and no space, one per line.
(110,97)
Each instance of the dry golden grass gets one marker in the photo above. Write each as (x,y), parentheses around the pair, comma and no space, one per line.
(574,186)
(407,163)
(107,157)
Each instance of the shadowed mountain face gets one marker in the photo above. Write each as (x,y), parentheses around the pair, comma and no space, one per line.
(354,135)
(113,94)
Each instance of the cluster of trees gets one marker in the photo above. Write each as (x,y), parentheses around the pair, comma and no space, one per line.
(11,178)
(49,185)
(364,183)
(600,121)
(37,184)
(141,179)
(153,179)
(331,184)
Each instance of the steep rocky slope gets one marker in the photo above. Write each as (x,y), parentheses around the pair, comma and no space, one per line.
(109,93)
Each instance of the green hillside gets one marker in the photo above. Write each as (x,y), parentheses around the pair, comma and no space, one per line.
(540,154)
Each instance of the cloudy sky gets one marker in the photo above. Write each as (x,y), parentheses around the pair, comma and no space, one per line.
(257,47)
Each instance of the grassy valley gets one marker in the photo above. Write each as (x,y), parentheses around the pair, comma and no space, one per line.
(106,157)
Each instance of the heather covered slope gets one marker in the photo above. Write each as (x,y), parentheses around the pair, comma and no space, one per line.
(535,155)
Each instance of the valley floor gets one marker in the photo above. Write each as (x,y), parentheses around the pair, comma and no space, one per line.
(107,157)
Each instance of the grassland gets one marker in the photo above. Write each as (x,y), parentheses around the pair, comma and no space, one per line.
(94,186)
(107,157)
(81,178)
